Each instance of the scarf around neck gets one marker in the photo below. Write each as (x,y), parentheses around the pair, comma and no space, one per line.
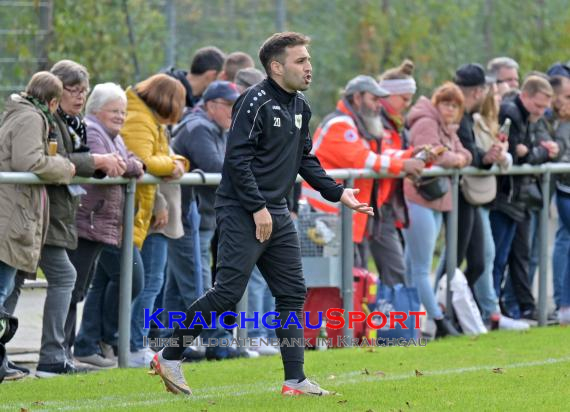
(76,128)
(396,118)
(41,106)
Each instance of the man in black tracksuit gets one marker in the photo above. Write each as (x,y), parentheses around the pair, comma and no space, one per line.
(268,144)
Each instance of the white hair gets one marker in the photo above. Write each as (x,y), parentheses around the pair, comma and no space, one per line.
(102,94)
(499,62)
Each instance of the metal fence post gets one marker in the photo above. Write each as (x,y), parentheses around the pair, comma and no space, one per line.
(125,292)
(347,263)
(451,236)
(543,238)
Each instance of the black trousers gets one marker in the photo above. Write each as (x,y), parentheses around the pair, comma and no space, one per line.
(84,259)
(279,261)
(519,260)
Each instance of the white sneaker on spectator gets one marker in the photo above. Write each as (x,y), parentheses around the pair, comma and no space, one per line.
(261,346)
(141,358)
(97,360)
(244,352)
(248,353)
(564,316)
(512,324)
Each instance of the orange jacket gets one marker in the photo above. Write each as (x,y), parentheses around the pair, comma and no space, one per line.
(339,144)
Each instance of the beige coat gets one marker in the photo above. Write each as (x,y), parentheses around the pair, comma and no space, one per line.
(485,139)
(24,208)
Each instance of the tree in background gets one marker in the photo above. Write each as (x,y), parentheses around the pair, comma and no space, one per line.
(349,37)
(95,33)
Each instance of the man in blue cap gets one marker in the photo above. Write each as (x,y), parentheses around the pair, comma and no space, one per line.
(201,138)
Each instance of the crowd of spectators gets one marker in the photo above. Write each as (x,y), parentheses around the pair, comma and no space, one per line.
(176,121)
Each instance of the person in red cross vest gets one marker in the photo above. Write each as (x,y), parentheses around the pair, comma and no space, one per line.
(354,137)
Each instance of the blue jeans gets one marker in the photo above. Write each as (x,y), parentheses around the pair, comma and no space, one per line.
(534,244)
(153,255)
(100,321)
(420,238)
(560,259)
(484,291)
(260,300)
(504,229)
(7,276)
(563,204)
(206,257)
(184,269)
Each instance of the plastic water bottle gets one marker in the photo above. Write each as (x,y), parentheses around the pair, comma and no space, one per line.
(504,130)
(304,208)
(322,339)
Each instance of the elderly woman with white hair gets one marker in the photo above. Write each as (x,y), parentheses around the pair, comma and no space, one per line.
(100,215)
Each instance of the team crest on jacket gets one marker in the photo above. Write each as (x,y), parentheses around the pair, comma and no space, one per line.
(298,120)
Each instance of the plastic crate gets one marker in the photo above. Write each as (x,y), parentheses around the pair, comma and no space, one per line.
(320,238)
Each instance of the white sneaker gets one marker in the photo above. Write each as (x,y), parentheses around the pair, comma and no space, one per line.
(264,349)
(244,352)
(171,374)
(248,353)
(141,358)
(306,387)
(512,324)
(564,316)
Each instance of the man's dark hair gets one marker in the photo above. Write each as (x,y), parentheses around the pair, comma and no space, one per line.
(207,58)
(274,47)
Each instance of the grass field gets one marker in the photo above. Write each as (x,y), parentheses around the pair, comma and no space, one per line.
(500,371)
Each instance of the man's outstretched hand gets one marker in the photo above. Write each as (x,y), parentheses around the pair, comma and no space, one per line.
(348,199)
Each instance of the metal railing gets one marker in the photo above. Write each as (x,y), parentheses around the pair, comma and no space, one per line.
(347,257)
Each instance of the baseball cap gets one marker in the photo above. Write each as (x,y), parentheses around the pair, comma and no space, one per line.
(364,83)
(221,89)
(248,77)
(559,69)
(471,75)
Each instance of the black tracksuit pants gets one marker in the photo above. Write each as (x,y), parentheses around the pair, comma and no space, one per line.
(278,259)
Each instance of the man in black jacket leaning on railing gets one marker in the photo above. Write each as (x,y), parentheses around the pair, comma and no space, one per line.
(517,194)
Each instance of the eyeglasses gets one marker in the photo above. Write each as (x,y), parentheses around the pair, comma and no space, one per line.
(508,79)
(77,92)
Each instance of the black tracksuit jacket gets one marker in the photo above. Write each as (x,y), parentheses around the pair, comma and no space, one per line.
(268,144)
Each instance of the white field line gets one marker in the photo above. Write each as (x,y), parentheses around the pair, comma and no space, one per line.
(212,392)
